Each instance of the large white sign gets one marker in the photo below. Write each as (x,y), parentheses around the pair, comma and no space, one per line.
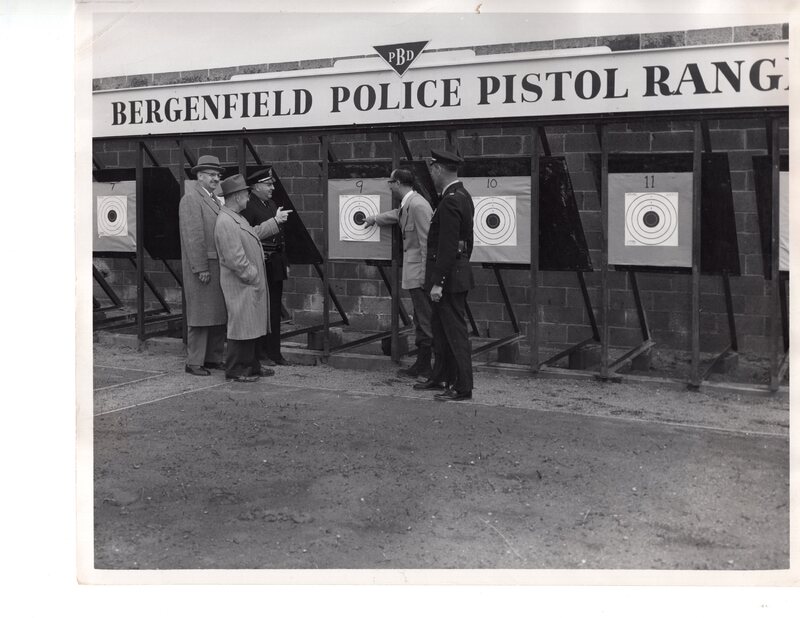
(748,75)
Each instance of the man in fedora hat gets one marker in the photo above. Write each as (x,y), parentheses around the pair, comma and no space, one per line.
(205,307)
(448,278)
(260,208)
(243,279)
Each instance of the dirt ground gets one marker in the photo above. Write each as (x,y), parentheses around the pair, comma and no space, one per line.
(326,468)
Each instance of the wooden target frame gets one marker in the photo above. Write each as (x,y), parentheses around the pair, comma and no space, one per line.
(762,170)
(774,230)
(701,140)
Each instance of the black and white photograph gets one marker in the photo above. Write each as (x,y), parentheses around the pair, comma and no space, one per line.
(473,294)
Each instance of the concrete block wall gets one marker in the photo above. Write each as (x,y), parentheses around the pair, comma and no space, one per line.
(561,312)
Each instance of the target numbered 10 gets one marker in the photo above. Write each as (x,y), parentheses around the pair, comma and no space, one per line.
(495,220)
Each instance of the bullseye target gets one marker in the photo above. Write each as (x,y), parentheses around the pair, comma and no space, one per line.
(651,219)
(112,215)
(501,218)
(353,213)
(495,221)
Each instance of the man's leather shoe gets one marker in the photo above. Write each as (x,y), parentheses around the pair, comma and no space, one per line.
(452,395)
(266,372)
(282,361)
(242,378)
(214,365)
(429,385)
(196,370)
(267,362)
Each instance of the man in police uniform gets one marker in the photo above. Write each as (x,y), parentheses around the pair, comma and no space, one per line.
(260,208)
(448,278)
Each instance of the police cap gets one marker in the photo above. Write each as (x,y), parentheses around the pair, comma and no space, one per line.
(446,158)
(262,175)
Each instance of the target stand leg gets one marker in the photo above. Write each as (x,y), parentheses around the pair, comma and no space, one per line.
(584,358)
(508,353)
(643,362)
(727,362)
(315,340)
(403,349)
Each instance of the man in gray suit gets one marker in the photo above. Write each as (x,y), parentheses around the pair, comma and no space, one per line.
(414,219)
(205,306)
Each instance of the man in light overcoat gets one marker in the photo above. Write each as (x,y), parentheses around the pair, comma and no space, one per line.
(205,306)
(243,280)
(414,219)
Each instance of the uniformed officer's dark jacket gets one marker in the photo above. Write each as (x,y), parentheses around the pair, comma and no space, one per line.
(275,259)
(450,241)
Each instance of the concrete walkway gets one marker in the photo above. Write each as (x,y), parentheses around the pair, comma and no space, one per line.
(124,375)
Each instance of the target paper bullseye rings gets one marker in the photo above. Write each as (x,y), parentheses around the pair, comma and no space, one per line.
(651,219)
(495,220)
(353,213)
(112,215)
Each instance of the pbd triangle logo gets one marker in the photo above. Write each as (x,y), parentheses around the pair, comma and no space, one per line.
(400,56)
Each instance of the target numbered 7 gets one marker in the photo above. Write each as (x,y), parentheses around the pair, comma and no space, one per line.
(112,215)
(651,219)
(353,213)
(495,220)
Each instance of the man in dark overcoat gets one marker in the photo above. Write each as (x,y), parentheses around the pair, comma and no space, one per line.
(205,306)
(448,278)
(260,208)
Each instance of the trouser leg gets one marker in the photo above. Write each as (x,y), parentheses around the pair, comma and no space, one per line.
(215,348)
(421,302)
(273,337)
(443,367)
(453,315)
(196,345)
(241,358)
(252,355)
(269,346)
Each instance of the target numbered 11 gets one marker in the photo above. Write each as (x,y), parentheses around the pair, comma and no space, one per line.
(112,215)
(649,227)
(495,220)
(353,213)
(651,219)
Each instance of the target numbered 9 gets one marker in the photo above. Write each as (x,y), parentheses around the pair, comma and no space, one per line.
(495,220)
(112,215)
(651,219)
(353,213)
